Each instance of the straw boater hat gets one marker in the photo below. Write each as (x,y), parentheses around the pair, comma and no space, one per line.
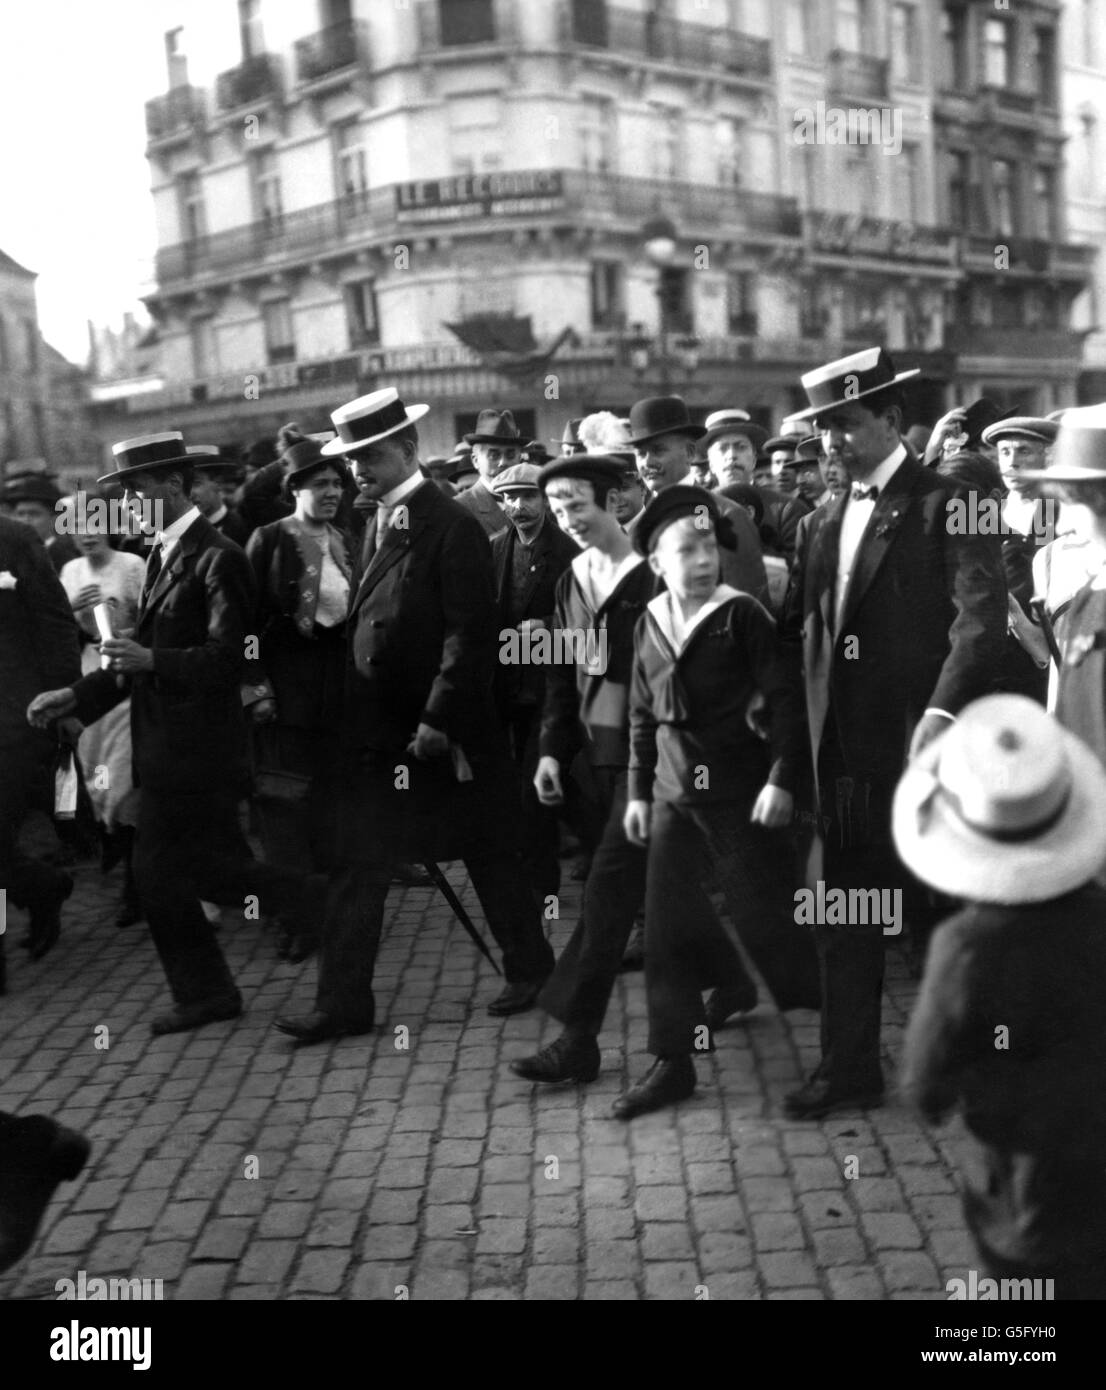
(370,418)
(846,380)
(148,453)
(208,458)
(1006,806)
(730,424)
(1079,455)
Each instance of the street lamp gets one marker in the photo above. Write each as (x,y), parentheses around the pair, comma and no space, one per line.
(658,236)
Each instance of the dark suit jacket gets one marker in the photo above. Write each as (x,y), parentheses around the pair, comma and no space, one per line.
(551,555)
(1032,1097)
(233,527)
(187,726)
(927,611)
(39,647)
(422,631)
(482,505)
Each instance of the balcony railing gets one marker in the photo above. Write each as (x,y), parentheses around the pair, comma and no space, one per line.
(180,109)
(1007,101)
(612,200)
(975,340)
(1022,252)
(591,24)
(1072,260)
(856,75)
(329,50)
(255,79)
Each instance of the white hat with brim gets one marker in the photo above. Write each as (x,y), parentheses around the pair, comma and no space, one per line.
(1005,807)
(847,380)
(148,453)
(1079,454)
(368,419)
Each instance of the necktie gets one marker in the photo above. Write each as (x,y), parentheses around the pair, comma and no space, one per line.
(383,521)
(153,569)
(864,494)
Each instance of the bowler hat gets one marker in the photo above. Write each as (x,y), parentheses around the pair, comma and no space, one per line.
(755,434)
(849,379)
(1034,427)
(370,418)
(604,469)
(148,453)
(675,503)
(495,427)
(1080,452)
(657,415)
(31,487)
(1005,806)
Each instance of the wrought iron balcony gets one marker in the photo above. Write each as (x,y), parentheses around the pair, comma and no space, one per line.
(255,79)
(1005,102)
(177,112)
(330,50)
(634,33)
(856,75)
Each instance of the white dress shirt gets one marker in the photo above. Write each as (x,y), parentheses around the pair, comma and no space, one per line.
(855,522)
(391,500)
(168,538)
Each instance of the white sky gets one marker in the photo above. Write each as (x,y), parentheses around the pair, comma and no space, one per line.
(75,204)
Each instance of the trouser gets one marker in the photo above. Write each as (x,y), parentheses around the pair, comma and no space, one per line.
(189,847)
(539,825)
(579,990)
(24,784)
(687,949)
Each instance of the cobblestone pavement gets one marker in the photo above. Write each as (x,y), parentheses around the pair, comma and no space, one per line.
(431,1168)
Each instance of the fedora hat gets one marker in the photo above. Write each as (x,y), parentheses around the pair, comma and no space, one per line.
(809,450)
(755,434)
(657,415)
(1005,806)
(1080,452)
(148,453)
(495,427)
(848,379)
(369,418)
(520,477)
(1034,427)
(571,434)
(673,504)
(980,416)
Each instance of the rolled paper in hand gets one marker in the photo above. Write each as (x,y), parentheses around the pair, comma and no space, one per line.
(102,614)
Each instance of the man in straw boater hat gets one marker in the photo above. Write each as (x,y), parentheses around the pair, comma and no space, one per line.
(1005,811)
(183,668)
(1077,477)
(902,623)
(496,444)
(424,773)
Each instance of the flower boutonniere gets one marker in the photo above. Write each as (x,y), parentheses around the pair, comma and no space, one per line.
(892,524)
(7,580)
(1080,648)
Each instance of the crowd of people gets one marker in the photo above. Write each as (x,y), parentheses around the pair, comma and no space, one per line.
(730,666)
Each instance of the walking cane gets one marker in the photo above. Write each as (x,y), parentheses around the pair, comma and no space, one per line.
(444,887)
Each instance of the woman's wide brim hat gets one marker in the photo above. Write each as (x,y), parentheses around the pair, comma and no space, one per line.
(148,453)
(849,379)
(1006,806)
(368,419)
(1079,453)
(307,456)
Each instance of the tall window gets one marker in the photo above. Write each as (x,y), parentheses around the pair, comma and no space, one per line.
(906,183)
(466,21)
(205,360)
(353,174)
(1086,153)
(280,344)
(193,217)
(361,313)
(266,177)
(959,188)
(175,60)
(1044,64)
(1003,195)
(998,41)
(597,137)
(859,191)
(729,140)
(1044,203)
(667,162)
(741,308)
(800,27)
(606,294)
(249,26)
(904,42)
(954,48)
(476,134)
(675,297)
(853,25)
(590,23)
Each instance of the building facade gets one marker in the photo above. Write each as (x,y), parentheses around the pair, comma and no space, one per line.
(564,206)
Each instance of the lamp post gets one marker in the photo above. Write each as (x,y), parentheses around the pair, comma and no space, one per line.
(658,236)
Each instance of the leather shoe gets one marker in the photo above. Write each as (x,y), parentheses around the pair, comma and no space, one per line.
(184,1017)
(36,1154)
(725,1002)
(45,924)
(516,999)
(668,1080)
(412,876)
(565,1059)
(318,1027)
(818,1097)
(633,957)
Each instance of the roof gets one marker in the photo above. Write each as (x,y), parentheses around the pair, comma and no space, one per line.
(7,263)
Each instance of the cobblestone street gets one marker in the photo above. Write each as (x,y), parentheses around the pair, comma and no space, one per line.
(431,1166)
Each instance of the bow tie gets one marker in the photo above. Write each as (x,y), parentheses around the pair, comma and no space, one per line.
(864,494)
